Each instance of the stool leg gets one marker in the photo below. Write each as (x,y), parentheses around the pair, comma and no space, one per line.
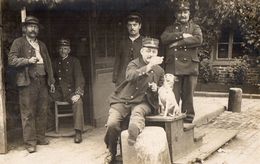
(56,118)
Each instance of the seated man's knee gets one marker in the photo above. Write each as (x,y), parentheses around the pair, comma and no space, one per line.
(113,125)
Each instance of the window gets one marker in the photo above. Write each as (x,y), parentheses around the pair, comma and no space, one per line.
(230,43)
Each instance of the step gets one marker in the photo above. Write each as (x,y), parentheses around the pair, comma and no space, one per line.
(211,143)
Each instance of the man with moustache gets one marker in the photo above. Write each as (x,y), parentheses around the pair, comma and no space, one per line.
(136,97)
(34,78)
(182,39)
(70,84)
(129,48)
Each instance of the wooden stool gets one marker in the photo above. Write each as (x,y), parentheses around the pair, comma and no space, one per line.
(61,112)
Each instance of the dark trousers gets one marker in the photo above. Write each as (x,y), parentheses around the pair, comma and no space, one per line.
(184,89)
(77,107)
(33,101)
(119,121)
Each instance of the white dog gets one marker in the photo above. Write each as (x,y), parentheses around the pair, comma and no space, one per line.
(167,100)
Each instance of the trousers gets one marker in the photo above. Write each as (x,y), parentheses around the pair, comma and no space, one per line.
(184,89)
(116,122)
(34,100)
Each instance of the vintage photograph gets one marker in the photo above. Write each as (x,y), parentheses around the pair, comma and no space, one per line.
(130,81)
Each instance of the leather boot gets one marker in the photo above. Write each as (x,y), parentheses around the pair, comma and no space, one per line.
(78,136)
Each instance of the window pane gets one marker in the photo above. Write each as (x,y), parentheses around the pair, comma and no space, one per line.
(222,50)
(237,50)
(224,36)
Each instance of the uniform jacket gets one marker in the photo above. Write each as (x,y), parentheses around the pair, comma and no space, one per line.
(20,52)
(69,77)
(135,88)
(127,51)
(183,58)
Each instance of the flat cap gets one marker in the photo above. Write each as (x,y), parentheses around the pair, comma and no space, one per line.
(150,42)
(134,16)
(31,20)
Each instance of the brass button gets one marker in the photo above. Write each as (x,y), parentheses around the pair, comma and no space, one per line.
(59,78)
(176,58)
(185,49)
(176,27)
(136,88)
(132,97)
(175,49)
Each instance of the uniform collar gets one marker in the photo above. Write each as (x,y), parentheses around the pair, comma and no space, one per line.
(134,38)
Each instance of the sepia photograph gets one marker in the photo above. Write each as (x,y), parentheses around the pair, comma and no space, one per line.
(130,81)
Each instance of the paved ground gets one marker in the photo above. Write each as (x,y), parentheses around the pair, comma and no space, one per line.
(244,149)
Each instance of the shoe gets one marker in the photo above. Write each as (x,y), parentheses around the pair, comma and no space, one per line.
(109,158)
(188,119)
(43,142)
(78,136)
(31,149)
(133,132)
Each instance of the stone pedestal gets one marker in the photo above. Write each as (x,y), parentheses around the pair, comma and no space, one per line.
(151,147)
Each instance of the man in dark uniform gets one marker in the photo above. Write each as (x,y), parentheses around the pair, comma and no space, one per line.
(135,97)
(182,39)
(34,75)
(129,48)
(70,85)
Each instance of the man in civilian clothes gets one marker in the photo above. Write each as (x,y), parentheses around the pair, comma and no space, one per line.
(136,96)
(34,76)
(182,39)
(70,85)
(129,48)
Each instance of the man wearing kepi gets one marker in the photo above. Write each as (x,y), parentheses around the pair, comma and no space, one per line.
(70,84)
(34,77)
(136,96)
(129,47)
(181,40)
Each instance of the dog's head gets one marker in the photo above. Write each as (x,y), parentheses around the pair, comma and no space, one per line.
(169,79)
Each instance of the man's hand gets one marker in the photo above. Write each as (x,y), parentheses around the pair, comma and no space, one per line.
(33,60)
(52,89)
(186,35)
(153,86)
(75,98)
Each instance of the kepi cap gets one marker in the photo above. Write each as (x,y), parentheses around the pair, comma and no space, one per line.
(182,5)
(64,42)
(150,42)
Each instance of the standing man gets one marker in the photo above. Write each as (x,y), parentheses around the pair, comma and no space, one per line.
(70,85)
(181,40)
(136,97)
(129,48)
(34,75)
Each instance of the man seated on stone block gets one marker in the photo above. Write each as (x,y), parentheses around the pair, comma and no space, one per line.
(136,96)
(70,84)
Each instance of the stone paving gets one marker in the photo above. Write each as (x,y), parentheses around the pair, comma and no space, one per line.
(245,148)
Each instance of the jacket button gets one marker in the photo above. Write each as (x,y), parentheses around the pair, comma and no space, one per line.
(59,63)
(67,62)
(186,26)
(59,71)
(126,103)
(59,78)
(69,89)
(136,88)
(185,49)
(132,97)
(176,58)
(151,71)
(67,70)
(175,49)
(176,27)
